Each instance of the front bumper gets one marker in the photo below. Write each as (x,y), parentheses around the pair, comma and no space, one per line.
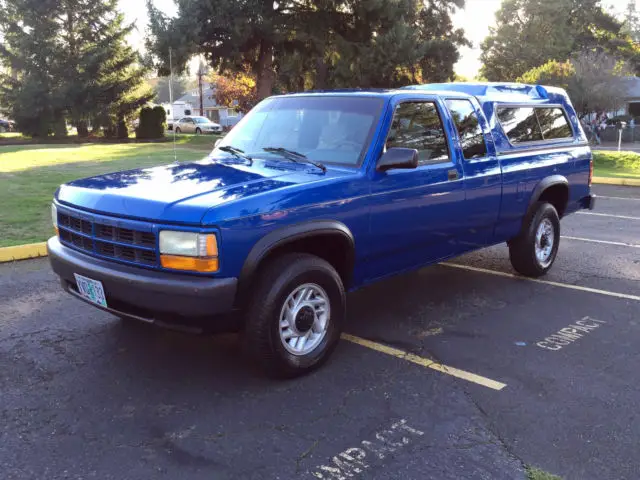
(156,297)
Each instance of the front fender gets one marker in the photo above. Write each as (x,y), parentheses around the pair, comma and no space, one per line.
(288,234)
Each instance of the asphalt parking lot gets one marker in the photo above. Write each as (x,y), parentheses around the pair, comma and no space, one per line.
(526,373)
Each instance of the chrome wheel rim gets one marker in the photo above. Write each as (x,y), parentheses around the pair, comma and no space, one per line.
(304,319)
(545,239)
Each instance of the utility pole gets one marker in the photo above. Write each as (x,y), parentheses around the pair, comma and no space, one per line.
(201,73)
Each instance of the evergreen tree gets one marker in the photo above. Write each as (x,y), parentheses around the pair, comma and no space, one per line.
(313,43)
(105,83)
(31,86)
(69,60)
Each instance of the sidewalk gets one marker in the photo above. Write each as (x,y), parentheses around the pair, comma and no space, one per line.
(625,147)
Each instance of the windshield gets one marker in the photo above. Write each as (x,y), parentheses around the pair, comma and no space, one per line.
(326,129)
(201,120)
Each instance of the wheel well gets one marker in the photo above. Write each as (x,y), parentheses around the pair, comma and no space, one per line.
(335,248)
(556,195)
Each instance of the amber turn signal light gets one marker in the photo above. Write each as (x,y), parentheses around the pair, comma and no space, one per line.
(193,264)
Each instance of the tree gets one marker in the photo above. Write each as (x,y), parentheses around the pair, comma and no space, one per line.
(70,61)
(631,24)
(30,83)
(160,86)
(313,43)
(529,33)
(237,90)
(595,81)
(105,83)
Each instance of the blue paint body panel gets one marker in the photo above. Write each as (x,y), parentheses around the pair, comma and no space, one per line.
(399,219)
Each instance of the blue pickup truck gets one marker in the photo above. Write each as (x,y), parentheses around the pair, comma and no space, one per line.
(315,194)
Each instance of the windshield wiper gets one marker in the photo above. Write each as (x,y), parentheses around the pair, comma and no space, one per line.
(236,152)
(294,156)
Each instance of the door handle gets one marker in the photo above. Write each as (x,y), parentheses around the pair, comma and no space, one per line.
(452,175)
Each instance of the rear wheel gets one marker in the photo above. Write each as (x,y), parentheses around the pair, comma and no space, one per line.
(296,315)
(533,252)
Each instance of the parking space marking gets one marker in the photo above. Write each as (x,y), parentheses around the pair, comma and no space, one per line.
(608,215)
(626,296)
(425,362)
(619,198)
(567,335)
(355,460)
(606,242)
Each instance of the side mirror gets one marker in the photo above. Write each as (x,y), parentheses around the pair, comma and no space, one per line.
(396,157)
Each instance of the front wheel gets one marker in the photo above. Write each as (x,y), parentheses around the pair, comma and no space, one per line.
(296,315)
(177,130)
(533,252)
(198,131)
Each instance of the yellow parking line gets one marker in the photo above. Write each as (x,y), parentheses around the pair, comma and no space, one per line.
(544,282)
(425,362)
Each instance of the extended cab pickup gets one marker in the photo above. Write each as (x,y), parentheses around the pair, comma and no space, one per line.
(315,194)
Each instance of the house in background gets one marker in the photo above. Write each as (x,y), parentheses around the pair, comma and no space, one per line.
(632,97)
(227,117)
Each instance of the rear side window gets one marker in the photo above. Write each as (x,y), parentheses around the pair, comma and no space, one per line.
(533,124)
(520,124)
(554,123)
(417,125)
(469,129)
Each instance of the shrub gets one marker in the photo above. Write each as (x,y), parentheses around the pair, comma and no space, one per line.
(152,123)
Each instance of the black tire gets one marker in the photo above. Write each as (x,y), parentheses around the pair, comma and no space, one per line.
(177,130)
(280,278)
(198,131)
(522,249)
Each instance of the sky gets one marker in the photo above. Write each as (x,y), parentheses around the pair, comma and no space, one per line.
(475,19)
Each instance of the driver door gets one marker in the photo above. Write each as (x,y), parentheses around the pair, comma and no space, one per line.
(415,214)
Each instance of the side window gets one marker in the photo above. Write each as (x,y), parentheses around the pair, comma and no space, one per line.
(418,125)
(469,129)
(520,124)
(554,123)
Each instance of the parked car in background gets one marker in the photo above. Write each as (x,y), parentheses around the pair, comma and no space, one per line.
(6,126)
(197,125)
(312,195)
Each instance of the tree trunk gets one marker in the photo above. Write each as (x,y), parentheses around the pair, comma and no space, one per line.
(59,124)
(83,129)
(265,76)
(322,70)
(123,131)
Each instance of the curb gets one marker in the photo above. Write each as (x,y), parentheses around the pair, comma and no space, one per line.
(23,252)
(627,182)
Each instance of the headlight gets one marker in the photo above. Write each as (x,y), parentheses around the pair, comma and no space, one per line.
(54,216)
(189,251)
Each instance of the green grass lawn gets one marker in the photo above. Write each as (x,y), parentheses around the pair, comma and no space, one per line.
(537,474)
(616,164)
(30,174)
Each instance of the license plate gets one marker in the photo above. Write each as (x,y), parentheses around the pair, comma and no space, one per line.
(91,290)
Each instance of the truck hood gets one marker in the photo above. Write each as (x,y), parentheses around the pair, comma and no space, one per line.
(170,193)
